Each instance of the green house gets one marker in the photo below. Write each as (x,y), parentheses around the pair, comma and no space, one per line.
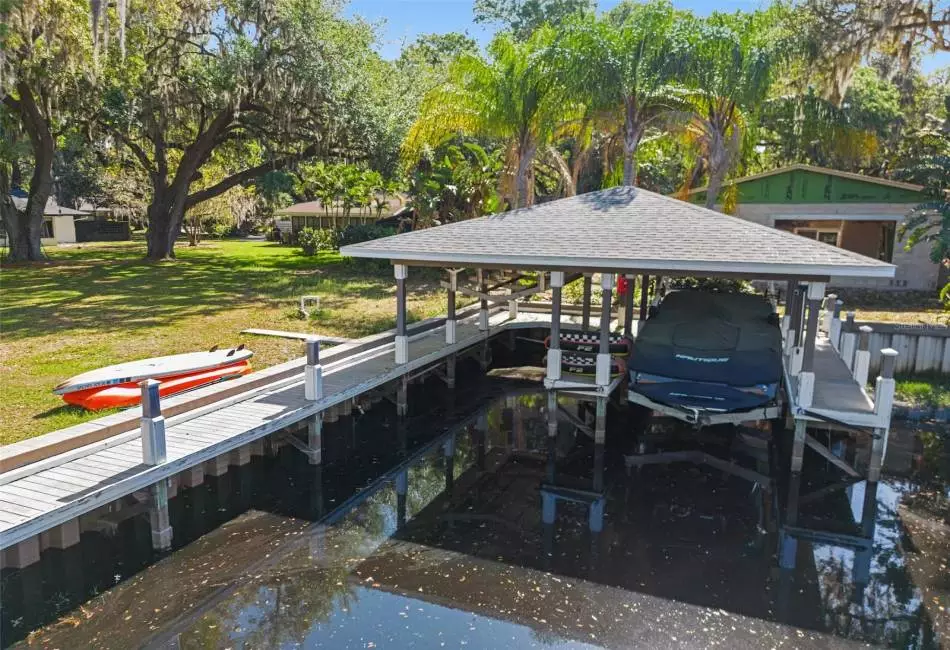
(856,212)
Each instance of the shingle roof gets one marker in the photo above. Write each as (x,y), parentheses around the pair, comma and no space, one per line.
(52,208)
(622,229)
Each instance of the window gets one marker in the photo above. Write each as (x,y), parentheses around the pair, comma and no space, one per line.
(47,232)
(824,235)
(827,237)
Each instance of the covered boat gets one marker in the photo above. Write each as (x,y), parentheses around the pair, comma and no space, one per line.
(118,385)
(708,352)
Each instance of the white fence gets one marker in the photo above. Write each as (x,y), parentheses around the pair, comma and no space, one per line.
(921,348)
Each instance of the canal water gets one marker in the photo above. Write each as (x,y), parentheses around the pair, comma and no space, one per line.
(466,525)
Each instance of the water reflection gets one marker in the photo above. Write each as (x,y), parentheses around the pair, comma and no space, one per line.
(511,520)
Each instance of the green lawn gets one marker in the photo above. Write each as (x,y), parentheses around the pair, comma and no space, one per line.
(99,304)
(924,391)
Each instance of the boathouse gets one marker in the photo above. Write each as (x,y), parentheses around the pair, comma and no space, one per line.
(635,232)
(53,486)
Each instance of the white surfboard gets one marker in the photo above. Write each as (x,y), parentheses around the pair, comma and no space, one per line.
(154,368)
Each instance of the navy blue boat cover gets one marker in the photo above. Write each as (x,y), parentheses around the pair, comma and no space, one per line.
(727,339)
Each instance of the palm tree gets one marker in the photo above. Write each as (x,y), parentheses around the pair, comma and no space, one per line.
(625,64)
(730,72)
(511,96)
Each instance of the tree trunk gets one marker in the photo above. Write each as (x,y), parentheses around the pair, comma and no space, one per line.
(563,170)
(718,168)
(525,159)
(632,132)
(722,152)
(165,216)
(25,229)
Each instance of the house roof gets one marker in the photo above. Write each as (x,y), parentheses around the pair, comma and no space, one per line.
(316,209)
(623,229)
(52,209)
(818,170)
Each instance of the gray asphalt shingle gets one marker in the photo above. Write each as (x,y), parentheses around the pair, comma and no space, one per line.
(622,229)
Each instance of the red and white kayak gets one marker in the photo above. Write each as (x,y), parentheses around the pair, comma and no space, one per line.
(118,385)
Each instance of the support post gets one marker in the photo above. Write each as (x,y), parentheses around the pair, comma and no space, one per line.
(401,271)
(806,379)
(448,454)
(798,445)
(603,356)
(450,371)
(402,396)
(402,489)
(450,316)
(313,372)
(628,307)
(834,331)
(552,414)
(862,358)
(849,340)
(884,388)
(554,344)
(794,321)
(787,318)
(154,453)
(600,437)
(644,299)
(798,316)
(315,439)
(483,305)
(585,302)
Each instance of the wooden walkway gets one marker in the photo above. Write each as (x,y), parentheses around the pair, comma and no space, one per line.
(39,501)
(835,387)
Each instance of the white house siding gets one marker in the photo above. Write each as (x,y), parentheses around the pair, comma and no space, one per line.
(64,229)
(915,270)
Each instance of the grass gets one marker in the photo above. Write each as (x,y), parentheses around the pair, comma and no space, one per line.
(97,304)
(909,307)
(931,392)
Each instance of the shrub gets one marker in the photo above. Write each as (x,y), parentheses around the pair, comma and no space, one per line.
(311,240)
(222,230)
(273,234)
(360,232)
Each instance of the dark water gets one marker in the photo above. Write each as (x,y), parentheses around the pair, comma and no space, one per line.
(282,554)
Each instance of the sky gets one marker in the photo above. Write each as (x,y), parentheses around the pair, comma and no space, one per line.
(403,20)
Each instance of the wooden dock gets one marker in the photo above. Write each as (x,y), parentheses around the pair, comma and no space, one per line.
(41,501)
(32,502)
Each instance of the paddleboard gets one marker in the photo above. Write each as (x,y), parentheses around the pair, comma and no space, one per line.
(130,394)
(154,368)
